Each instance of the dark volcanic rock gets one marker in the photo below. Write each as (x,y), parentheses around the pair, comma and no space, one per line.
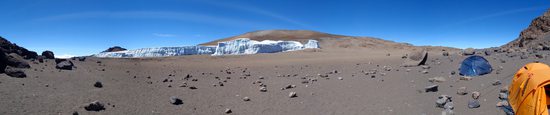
(115,49)
(64,64)
(40,59)
(15,72)
(8,47)
(175,100)
(15,60)
(431,88)
(98,84)
(48,54)
(3,61)
(468,51)
(95,106)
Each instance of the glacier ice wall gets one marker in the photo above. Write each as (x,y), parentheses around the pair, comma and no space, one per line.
(160,52)
(246,46)
(239,46)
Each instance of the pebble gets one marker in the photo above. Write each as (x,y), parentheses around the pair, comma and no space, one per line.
(98,84)
(292,94)
(263,89)
(175,100)
(465,78)
(426,67)
(227,111)
(449,105)
(431,88)
(502,96)
(502,103)
(475,95)
(424,71)
(473,104)
(496,82)
(437,79)
(442,100)
(462,91)
(340,78)
(94,106)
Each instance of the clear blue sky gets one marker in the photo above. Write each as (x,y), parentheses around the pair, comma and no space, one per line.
(84,27)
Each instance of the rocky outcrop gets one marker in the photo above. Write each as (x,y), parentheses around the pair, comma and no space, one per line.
(535,36)
(48,54)
(115,49)
(8,47)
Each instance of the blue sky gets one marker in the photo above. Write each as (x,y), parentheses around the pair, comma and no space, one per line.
(84,27)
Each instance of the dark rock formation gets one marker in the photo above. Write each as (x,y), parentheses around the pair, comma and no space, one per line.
(15,72)
(8,47)
(115,49)
(95,106)
(17,61)
(416,58)
(64,64)
(48,54)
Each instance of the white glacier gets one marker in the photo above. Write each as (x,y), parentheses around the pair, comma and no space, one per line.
(246,46)
(235,47)
(160,52)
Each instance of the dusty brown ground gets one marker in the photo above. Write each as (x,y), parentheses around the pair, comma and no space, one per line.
(47,90)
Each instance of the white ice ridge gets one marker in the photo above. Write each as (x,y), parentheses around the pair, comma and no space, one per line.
(159,52)
(239,46)
(246,46)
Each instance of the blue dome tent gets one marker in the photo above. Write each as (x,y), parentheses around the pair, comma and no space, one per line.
(475,66)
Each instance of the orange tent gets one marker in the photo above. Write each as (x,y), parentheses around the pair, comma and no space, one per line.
(527,93)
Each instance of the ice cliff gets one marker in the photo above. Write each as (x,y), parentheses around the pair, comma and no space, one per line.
(235,47)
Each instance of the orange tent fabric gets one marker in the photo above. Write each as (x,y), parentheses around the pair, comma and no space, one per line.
(527,94)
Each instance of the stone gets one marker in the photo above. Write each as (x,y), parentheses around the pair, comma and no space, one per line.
(496,82)
(442,100)
(539,56)
(94,106)
(17,61)
(64,64)
(447,112)
(424,72)
(40,59)
(453,72)
(98,84)
(437,79)
(263,89)
(416,59)
(15,72)
(462,91)
(175,100)
(504,89)
(465,78)
(340,78)
(445,53)
(468,51)
(475,94)
(425,67)
(48,54)
(488,52)
(292,95)
(289,86)
(502,103)
(473,104)
(228,111)
(246,99)
(431,88)
(524,56)
(502,96)
(449,105)
(261,77)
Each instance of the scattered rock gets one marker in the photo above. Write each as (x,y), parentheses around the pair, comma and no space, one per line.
(64,64)
(40,59)
(462,91)
(340,78)
(424,72)
(445,53)
(289,86)
(228,111)
(475,95)
(502,96)
(426,67)
(468,51)
(502,103)
(488,52)
(524,57)
(473,104)
(437,79)
(292,94)
(442,100)
(48,54)
(465,78)
(95,106)
(175,100)
(449,105)
(98,84)
(431,88)
(246,99)
(496,82)
(263,89)
(453,72)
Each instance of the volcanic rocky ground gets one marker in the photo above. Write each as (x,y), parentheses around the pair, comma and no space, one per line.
(326,81)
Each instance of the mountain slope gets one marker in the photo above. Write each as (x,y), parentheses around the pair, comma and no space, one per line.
(287,35)
(534,36)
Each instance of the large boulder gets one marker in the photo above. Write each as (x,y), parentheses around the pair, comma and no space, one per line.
(468,51)
(48,54)
(64,64)
(15,72)
(15,60)
(416,58)
(3,61)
